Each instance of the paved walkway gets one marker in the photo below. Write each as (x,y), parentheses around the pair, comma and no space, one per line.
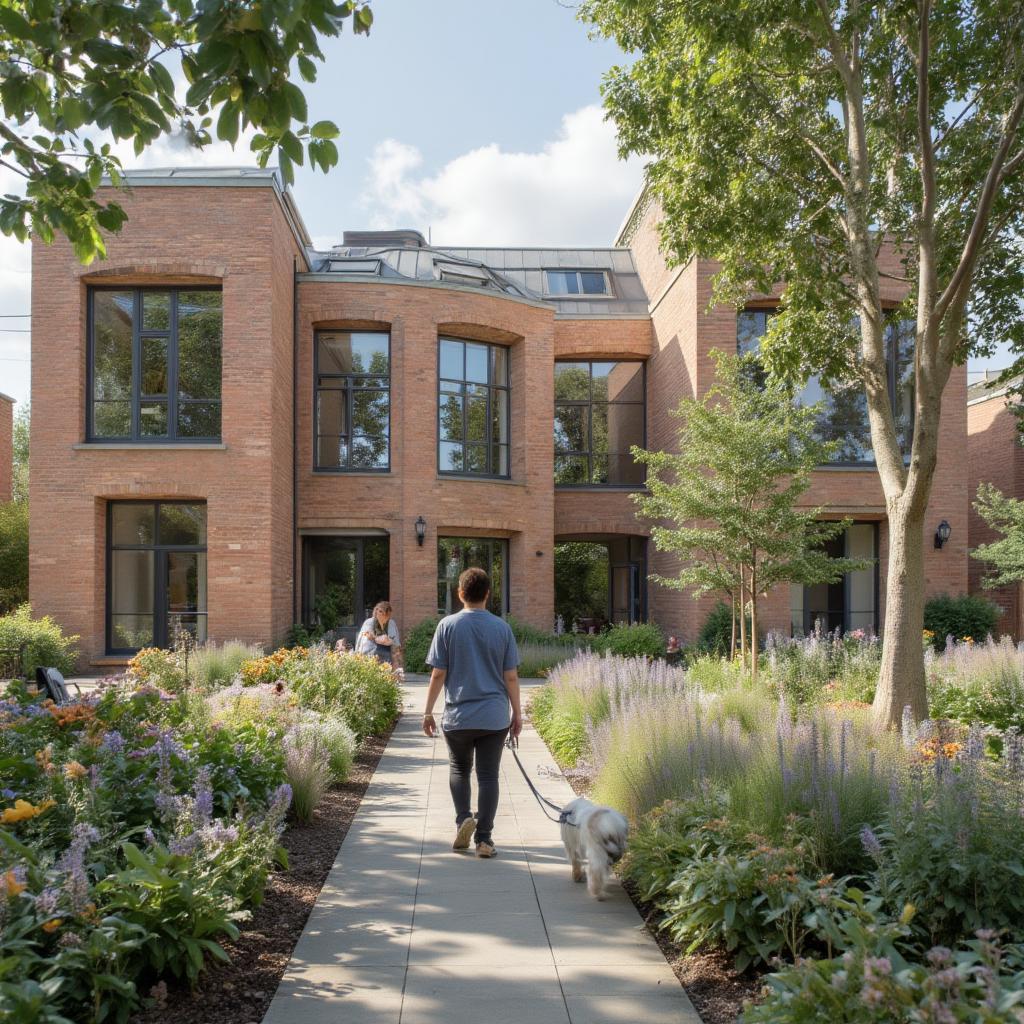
(407,931)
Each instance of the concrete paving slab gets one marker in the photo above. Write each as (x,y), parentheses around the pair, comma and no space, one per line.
(408,932)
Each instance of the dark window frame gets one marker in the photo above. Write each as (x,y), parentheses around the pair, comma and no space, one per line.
(506,576)
(892,379)
(876,573)
(588,403)
(491,387)
(608,293)
(159,571)
(138,335)
(349,390)
(358,543)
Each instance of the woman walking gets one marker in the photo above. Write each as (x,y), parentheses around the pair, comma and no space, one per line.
(379,636)
(475,661)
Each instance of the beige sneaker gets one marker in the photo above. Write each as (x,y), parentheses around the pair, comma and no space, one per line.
(465,833)
(485,849)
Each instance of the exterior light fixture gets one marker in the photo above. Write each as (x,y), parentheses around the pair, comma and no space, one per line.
(421,530)
(942,533)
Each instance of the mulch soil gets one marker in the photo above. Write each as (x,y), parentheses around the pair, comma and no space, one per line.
(239,992)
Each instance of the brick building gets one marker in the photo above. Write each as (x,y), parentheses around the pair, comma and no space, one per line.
(995,456)
(6,447)
(234,431)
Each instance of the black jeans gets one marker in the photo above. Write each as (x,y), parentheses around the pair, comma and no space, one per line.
(486,746)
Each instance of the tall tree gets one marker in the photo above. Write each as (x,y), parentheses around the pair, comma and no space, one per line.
(68,66)
(808,141)
(22,419)
(730,496)
(1005,556)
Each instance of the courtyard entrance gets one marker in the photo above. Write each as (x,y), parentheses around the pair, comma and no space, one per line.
(343,578)
(600,580)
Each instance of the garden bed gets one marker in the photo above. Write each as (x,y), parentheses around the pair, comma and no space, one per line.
(241,991)
(861,868)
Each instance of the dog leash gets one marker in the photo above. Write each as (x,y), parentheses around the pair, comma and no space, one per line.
(563,819)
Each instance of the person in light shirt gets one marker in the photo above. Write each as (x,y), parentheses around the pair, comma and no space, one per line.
(379,636)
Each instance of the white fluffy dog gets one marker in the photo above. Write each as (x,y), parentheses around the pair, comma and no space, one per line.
(596,835)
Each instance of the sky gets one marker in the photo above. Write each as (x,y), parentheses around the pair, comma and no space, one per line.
(476,121)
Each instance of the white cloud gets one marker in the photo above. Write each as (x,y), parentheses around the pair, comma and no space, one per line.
(573,191)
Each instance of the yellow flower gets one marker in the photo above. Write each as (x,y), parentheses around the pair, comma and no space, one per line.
(73,770)
(929,634)
(24,811)
(52,925)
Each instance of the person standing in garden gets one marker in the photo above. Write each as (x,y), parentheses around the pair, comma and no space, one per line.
(379,636)
(474,659)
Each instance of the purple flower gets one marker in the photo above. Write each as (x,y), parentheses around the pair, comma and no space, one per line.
(46,902)
(8,794)
(113,742)
(202,807)
(870,842)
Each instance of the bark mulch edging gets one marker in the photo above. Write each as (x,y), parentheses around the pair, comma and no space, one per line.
(708,976)
(240,992)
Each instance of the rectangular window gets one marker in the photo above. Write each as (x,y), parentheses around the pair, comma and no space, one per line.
(600,412)
(155,364)
(850,604)
(352,415)
(156,573)
(456,554)
(576,282)
(473,408)
(844,412)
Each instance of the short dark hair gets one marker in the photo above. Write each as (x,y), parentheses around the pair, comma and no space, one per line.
(474,584)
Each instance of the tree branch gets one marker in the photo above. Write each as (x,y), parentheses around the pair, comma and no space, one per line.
(979,226)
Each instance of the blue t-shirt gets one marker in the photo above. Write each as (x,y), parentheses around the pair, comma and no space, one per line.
(475,648)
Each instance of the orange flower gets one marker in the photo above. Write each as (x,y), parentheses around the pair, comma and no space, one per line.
(73,770)
(52,925)
(952,749)
(12,886)
(24,811)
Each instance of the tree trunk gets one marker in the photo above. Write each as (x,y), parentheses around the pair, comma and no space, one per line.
(753,630)
(743,621)
(901,681)
(732,641)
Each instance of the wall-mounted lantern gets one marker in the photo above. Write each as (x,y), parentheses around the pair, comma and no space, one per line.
(421,530)
(942,533)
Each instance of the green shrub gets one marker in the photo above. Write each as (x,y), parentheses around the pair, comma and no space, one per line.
(562,728)
(959,617)
(715,636)
(416,645)
(300,635)
(633,640)
(976,982)
(13,554)
(953,845)
(44,642)
(539,659)
(979,683)
(215,665)
(713,673)
(364,691)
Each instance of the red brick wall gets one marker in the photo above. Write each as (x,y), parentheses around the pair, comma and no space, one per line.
(520,509)
(6,447)
(229,236)
(995,456)
(686,331)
